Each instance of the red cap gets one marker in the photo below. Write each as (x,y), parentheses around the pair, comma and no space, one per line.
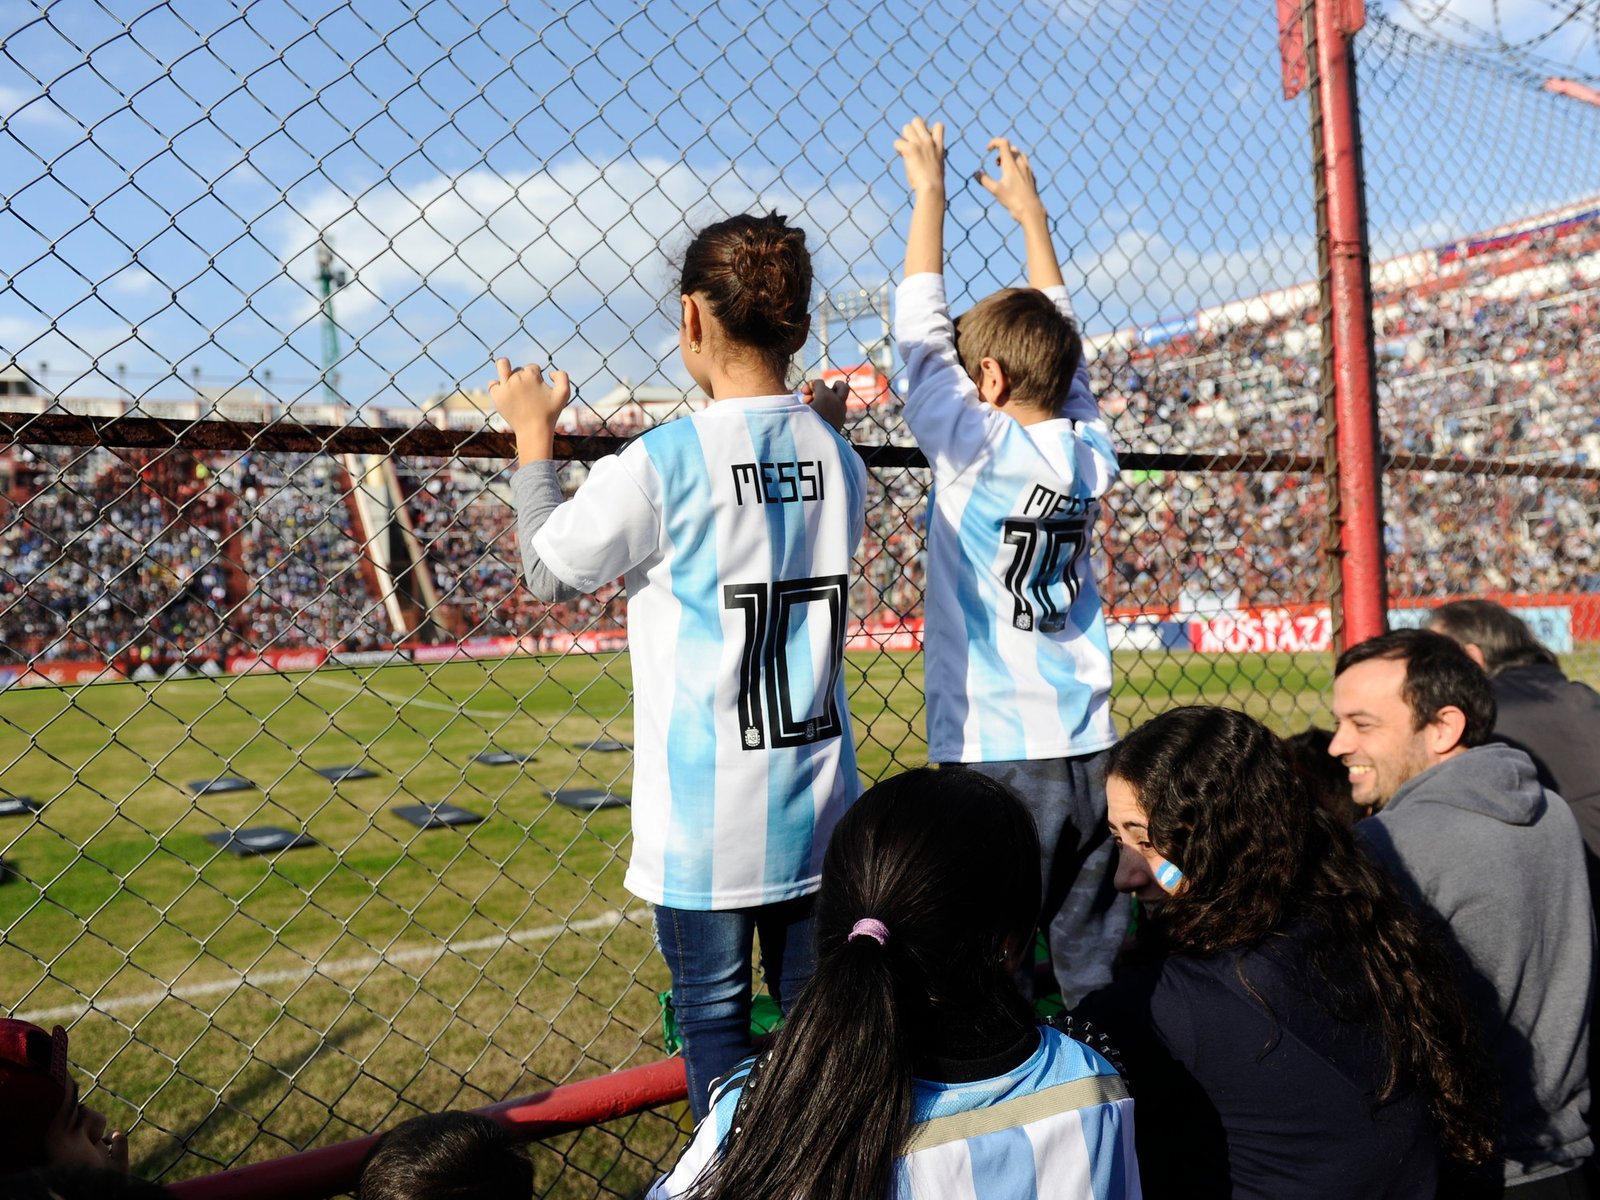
(33,1086)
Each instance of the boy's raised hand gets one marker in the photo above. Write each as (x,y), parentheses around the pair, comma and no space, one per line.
(1019,194)
(922,149)
(1016,189)
(530,405)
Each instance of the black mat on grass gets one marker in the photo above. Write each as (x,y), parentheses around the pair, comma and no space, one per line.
(587,799)
(259,839)
(222,783)
(501,758)
(435,816)
(340,774)
(603,746)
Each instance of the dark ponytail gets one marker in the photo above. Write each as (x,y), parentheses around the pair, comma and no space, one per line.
(948,861)
(755,273)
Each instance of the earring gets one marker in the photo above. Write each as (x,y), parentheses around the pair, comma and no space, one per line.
(694,347)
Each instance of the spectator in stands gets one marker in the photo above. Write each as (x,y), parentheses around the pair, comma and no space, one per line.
(734,530)
(1293,1029)
(447,1156)
(1468,834)
(41,1121)
(1537,708)
(911,1065)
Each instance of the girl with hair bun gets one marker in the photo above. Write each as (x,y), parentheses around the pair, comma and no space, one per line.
(733,530)
(912,1068)
(1291,1026)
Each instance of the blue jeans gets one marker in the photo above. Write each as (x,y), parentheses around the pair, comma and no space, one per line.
(1084,918)
(709,955)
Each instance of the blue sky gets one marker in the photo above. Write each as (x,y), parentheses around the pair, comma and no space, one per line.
(516,178)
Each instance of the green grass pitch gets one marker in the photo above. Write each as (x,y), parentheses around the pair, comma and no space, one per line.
(243,1008)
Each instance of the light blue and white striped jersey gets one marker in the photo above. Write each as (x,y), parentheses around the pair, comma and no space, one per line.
(1017,661)
(1059,1126)
(734,530)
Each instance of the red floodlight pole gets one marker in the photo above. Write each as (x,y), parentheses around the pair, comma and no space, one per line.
(1360,479)
(1322,48)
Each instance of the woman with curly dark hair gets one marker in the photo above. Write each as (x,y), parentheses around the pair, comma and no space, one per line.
(1290,1028)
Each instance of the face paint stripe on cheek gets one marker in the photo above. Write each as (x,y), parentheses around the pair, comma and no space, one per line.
(1168,876)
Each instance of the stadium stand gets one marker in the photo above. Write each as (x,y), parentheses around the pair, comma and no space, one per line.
(1486,346)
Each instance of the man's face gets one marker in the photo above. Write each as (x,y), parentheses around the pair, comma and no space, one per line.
(1373,731)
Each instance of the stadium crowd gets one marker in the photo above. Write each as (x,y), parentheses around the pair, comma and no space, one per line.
(105,557)
(115,558)
(299,550)
(469,536)
(139,559)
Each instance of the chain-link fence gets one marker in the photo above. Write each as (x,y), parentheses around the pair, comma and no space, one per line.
(255,534)
(1483,188)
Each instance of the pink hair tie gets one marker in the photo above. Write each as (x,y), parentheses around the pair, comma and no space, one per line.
(869,927)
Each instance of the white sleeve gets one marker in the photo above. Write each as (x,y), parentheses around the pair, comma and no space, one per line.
(700,1154)
(1095,458)
(609,526)
(1081,404)
(950,423)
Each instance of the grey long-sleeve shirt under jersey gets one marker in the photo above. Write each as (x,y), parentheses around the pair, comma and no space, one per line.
(536,493)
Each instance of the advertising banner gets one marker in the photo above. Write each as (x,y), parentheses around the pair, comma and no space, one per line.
(305,658)
(62,673)
(1263,631)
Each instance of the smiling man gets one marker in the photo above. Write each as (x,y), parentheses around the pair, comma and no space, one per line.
(1469,835)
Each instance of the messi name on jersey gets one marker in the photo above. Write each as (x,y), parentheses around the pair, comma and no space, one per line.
(777,482)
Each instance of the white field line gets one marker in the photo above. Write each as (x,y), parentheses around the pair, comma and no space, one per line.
(338,966)
(500,713)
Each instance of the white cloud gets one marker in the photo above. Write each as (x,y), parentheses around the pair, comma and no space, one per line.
(570,237)
(574,263)
(18,106)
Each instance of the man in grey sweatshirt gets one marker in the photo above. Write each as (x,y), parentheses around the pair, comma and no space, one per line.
(1467,832)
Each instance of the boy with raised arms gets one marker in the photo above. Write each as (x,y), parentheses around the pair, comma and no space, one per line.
(1018,667)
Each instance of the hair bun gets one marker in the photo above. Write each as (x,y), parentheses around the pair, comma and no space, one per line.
(756,273)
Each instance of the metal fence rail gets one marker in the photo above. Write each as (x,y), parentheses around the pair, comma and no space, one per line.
(255,260)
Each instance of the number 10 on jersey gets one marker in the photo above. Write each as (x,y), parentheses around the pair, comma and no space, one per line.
(1044,562)
(778,626)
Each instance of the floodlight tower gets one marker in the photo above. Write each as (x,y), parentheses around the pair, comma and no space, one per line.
(329,279)
(850,303)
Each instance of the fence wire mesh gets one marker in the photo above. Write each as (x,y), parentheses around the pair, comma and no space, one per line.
(249,249)
(1486,226)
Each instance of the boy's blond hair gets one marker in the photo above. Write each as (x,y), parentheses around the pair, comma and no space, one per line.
(1036,345)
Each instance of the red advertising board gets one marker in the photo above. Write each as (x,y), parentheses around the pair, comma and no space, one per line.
(1263,631)
(868,385)
(472,648)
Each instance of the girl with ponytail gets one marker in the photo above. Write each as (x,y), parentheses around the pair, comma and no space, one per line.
(734,531)
(911,1065)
